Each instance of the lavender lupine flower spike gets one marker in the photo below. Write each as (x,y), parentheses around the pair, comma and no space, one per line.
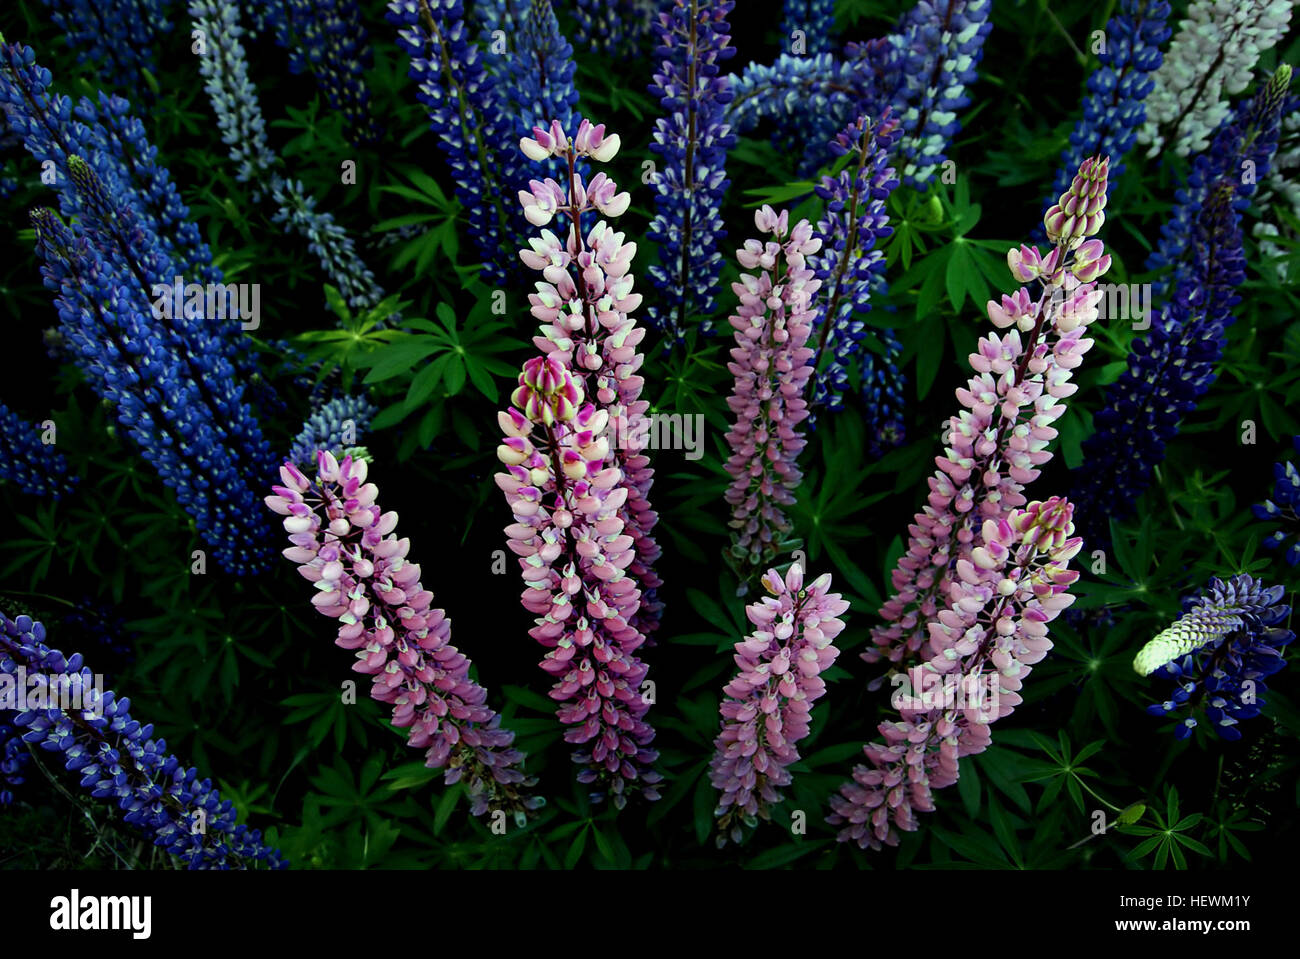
(345,545)
(585,302)
(1114,108)
(1219,654)
(768,704)
(981,646)
(770,362)
(1214,52)
(118,759)
(574,555)
(36,468)
(691,141)
(999,441)
(850,265)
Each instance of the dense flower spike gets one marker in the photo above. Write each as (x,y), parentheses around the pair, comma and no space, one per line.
(1219,653)
(345,545)
(771,365)
(768,705)
(14,758)
(1175,363)
(1283,509)
(1114,108)
(1245,144)
(541,69)
(850,266)
(118,759)
(168,360)
(981,645)
(34,466)
(333,428)
(618,28)
(224,67)
(999,442)
(1213,54)
(118,36)
(584,302)
(574,554)
(1280,190)
(691,141)
(468,115)
(938,46)
(808,26)
(327,38)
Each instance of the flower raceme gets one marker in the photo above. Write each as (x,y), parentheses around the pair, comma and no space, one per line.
(999,441)
(768,704)
(584,302)
(770,362)
(344,544)
(1219,653)
(567,497)
(118,760)
(991,631)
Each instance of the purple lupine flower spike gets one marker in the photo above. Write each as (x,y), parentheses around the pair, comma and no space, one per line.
(999,441)
(770,362)
(981,646)
(768,704)
(574,553)
(344,544)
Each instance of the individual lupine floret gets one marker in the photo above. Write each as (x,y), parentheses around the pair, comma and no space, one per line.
(566,498)
(1213,53)
(771,366)
(850,266)
(467,113)
(691,141)
(1219,654)
(768,705)
(981,644)
(938,46)
(334,427)
(1283,509)
(585,301)
(344,544)
(117,758)
(118,36)
(35,467)
(1114,109)
(999,441)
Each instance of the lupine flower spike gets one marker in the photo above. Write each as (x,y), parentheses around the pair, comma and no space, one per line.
(584,302)
(568,533)
(768,705)
(1283,509)
(999,441)
(991,630)
(771,366)
(344,544)
(1219,654)
(117,757)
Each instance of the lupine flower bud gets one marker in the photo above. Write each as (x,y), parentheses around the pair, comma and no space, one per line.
(1078,214)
